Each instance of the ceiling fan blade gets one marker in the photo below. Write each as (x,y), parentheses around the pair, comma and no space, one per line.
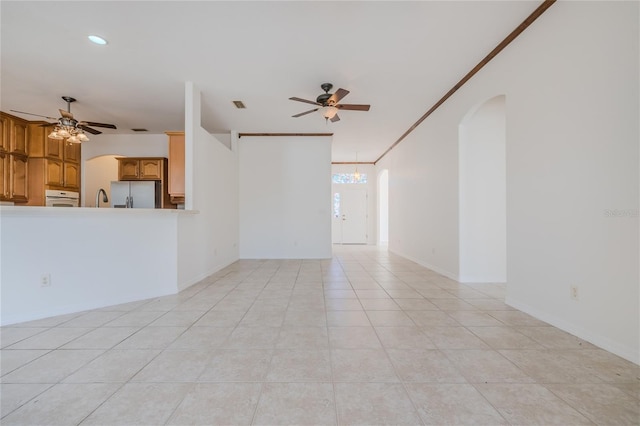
(48,124)
(335,118)
(304,100)
(37,115)
(89,129)
(335,98)
(353,107)
(305,113)
(65,114)
(94,124)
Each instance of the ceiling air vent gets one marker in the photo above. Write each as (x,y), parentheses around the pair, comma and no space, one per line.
(239,104)
(140,130)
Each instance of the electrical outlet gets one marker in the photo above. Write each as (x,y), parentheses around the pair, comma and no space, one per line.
(573,292)
(45,280)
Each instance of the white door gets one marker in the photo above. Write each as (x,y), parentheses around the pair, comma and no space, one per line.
(350,216)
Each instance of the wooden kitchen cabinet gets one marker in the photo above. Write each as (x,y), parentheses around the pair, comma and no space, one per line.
(128,168)
(4,133)
(54,172)
(13,158)
(4,176)
(19,180)
(72,176)
(18,137)
(176,167)
(53,164)
(131,168)
(72,152)
(13,132)
(146,168)
(14,177)
(40,145)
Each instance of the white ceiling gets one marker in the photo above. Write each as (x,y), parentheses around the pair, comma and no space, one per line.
(400,57)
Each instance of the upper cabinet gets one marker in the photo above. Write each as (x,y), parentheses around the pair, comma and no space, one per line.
(176,167)
(133,168)
(13,158)
(147,168)
(4,133)
(53,164)
(18,137)
(72,152)
(13,131)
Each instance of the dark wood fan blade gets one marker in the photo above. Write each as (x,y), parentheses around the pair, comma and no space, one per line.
(335,98)
(48,124)
(37,115)
(66,114)
(335,118)
(353,107)
(94,124)
(305,113)
(89,129)
(304,100)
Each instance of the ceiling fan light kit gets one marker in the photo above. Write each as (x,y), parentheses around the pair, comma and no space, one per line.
(328,112)
(328,103)
(68,128)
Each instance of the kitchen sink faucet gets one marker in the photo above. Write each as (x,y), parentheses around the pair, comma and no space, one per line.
(105,199)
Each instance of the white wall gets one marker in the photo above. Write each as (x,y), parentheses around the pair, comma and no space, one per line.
(383,207)
(372,189)
(99,166)
(208,241)
(285,197)
(95,258)
(482,208)
(572,161)
(423,194)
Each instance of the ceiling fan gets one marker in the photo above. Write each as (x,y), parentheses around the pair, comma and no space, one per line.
(66,120)
(328,103)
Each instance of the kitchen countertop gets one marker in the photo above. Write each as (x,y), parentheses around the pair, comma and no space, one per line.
(87,211)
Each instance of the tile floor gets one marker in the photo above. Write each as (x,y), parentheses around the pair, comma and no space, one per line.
(365,338)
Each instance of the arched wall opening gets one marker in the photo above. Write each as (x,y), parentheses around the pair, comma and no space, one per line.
(482,193)
(98,173)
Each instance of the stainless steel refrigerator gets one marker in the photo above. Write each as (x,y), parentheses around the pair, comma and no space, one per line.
(135,194)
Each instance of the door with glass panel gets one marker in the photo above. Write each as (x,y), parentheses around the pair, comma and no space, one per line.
(350,216)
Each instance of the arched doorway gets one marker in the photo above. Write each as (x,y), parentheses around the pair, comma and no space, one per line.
(98,173)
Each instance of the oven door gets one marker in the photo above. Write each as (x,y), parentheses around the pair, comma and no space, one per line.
(62,199)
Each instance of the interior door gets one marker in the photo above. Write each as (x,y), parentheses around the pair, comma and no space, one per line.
(350,216)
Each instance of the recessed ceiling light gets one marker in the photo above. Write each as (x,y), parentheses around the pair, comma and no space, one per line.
(97,39)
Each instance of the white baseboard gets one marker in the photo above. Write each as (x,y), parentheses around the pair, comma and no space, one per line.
(194,280)
(78,307)
(437,269)
(630,354)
